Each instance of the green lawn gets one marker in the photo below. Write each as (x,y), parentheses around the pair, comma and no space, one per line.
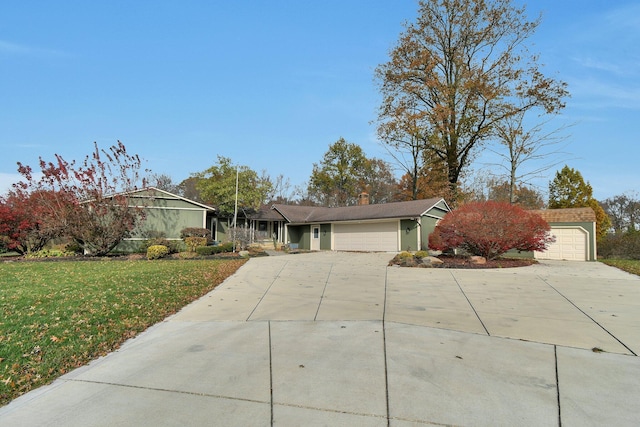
(56,316)
(628,265)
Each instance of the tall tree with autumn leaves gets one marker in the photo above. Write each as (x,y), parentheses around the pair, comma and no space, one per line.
(457,71)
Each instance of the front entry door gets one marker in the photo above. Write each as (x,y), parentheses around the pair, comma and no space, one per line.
(315,237)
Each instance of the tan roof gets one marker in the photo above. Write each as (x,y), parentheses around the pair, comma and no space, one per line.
(307,214)
(567,215)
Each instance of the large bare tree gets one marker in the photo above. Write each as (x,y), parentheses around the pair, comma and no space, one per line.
(624,212)
(400,135)
(520,144)
(455,72)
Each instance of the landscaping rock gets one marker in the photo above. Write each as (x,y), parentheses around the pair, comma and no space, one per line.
(477,260)
(432,261)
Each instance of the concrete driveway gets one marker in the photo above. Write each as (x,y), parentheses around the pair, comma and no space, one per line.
(340,339)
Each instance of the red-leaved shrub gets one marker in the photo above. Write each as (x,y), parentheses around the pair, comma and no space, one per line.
(490,229)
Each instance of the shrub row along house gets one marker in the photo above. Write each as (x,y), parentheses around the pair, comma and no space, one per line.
(389,227)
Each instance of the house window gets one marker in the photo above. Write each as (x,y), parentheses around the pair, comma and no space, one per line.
(316,232)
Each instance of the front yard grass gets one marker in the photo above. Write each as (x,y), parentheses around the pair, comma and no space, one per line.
(56,316)
(628,265)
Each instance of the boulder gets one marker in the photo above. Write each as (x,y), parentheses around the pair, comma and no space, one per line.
(477,260)
(431,260)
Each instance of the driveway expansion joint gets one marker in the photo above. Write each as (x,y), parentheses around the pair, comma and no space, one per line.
(470,305)
(588,316)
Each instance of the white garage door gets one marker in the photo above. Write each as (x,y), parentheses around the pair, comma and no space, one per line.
(570,245)
(370,237)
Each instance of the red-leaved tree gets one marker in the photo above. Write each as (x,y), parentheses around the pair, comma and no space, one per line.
(87,202)
(25,223)
(490,229)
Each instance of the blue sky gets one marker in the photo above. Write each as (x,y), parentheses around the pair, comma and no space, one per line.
(271,84)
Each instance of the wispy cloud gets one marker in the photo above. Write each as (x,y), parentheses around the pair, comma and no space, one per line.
(29,146)
(603,70)
(11,48)
(596,64)
(7,47)
(598,93)
(624,17)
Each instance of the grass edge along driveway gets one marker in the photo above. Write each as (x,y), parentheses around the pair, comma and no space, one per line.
(57,316)
(628,265)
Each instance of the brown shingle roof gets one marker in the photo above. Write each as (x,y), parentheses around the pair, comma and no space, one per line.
(265,213)
(306,214)
(567,215)
(296,214)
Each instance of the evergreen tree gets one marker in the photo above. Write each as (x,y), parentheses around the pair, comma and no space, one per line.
(569,190)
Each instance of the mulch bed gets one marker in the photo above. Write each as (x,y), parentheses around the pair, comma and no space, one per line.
(451,261)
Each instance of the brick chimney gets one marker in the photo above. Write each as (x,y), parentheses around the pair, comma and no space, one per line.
(363,199)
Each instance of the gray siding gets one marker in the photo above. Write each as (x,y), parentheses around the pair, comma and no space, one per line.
(169,221)
(409,230)
(428,225)
(300,235)
(325,237)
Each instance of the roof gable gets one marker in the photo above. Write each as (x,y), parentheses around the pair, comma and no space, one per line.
(156,193)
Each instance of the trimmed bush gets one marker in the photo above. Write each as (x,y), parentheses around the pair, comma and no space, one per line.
(207,250)
(421,254)
(489,229)
(172,245)
(212,250)
(193,242)
(50,253)
(226,247)
(157,252)
(195,232)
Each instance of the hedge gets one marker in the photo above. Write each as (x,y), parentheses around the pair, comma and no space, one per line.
(211,250)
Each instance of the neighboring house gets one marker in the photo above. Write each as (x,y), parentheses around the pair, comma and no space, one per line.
(167,215)
(575,233)
(388,227)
